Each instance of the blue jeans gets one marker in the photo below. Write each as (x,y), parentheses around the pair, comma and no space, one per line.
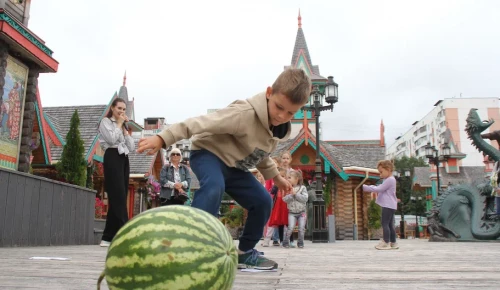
(216,178)
(292,219)
(276,235)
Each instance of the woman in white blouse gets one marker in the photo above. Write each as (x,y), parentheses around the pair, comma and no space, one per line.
(116,143)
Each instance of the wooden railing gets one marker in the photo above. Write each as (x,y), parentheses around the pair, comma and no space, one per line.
(36,211)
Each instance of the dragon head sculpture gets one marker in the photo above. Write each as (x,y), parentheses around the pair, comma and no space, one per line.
(474,123)
(475,127)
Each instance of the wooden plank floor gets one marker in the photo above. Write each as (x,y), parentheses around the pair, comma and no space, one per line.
(341,265)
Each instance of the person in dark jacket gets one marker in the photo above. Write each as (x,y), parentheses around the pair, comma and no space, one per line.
(175,180)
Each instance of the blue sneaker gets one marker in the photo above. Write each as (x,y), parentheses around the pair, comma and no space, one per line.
(253,259)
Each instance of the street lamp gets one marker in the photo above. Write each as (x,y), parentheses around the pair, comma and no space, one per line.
(320,231)
(399,178)
(185,154)
(169,149)
(434,158)
(416,200)
(142,191)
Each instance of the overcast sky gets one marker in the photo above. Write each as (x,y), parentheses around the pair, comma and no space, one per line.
(392,59)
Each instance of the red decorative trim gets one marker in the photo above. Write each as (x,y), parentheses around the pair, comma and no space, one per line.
(297,141)
(131,200)
(327,155)
(29,46)
(370,174)
(45,127)
(92,152)
(301,52)
(8,158)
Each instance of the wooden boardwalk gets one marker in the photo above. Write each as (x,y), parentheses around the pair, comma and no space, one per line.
(341,265)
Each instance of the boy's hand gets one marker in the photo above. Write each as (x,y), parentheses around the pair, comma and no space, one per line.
(153,144)
(282,184)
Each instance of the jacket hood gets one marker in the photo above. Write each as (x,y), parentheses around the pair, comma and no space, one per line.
(259,103)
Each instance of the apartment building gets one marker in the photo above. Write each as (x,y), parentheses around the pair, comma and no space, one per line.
(447,114)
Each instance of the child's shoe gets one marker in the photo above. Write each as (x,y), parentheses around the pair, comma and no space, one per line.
(266,242)
(292,244)
(383,246)
(380,242)
(276,243)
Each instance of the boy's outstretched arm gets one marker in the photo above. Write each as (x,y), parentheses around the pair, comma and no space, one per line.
(224,121)
(282,184)
(269,170)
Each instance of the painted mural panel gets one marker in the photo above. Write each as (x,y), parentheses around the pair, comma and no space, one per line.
(11,113)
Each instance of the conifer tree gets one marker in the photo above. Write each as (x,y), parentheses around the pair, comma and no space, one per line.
(72,166)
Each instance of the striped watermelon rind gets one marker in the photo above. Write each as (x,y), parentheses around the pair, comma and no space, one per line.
(172,247)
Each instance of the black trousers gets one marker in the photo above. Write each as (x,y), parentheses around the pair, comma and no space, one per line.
(170,201)
(388,225)
(281,233)
(116,175)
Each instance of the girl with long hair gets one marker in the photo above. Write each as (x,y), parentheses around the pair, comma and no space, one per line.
(116,143)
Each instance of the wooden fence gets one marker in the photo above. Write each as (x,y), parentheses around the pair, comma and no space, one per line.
(36,211)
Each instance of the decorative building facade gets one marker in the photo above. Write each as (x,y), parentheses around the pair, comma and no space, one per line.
(346,164)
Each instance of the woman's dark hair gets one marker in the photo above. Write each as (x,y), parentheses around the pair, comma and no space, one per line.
(113,104)
(110,112)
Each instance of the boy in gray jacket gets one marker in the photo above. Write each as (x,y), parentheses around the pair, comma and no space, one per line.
(297,204)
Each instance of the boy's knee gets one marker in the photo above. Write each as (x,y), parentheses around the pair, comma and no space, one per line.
(214,189)
(267,202)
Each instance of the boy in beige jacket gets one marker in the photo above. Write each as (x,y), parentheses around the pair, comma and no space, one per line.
(229,142)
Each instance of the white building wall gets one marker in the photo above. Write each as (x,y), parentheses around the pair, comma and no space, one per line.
(434,122)
(296,129)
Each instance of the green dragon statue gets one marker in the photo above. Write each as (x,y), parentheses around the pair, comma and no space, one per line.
(464,211)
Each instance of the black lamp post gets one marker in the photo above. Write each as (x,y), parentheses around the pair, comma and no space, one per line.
(434,158)
(169,149)
(399,178)
(417,201)
(320,231)
(185,154)
(142,191)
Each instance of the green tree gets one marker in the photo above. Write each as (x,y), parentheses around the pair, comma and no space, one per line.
(72,166)
(404,190)
(374,217)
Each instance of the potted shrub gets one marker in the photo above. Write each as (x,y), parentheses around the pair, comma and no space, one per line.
(234,220)
(374,220)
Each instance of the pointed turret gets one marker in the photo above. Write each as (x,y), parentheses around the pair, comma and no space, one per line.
(300,44)
(301,57)
(123,93)
(382,135)
(123,89)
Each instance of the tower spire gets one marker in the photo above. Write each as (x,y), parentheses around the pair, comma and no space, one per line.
(300,19)
(125,78)
(382,133)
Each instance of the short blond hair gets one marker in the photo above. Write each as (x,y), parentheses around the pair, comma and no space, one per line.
(386,164)
(297,174)
(294,84)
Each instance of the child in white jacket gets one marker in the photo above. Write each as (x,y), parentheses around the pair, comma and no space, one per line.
(297,204)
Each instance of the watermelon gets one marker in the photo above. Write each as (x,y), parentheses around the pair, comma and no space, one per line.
(171,247)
